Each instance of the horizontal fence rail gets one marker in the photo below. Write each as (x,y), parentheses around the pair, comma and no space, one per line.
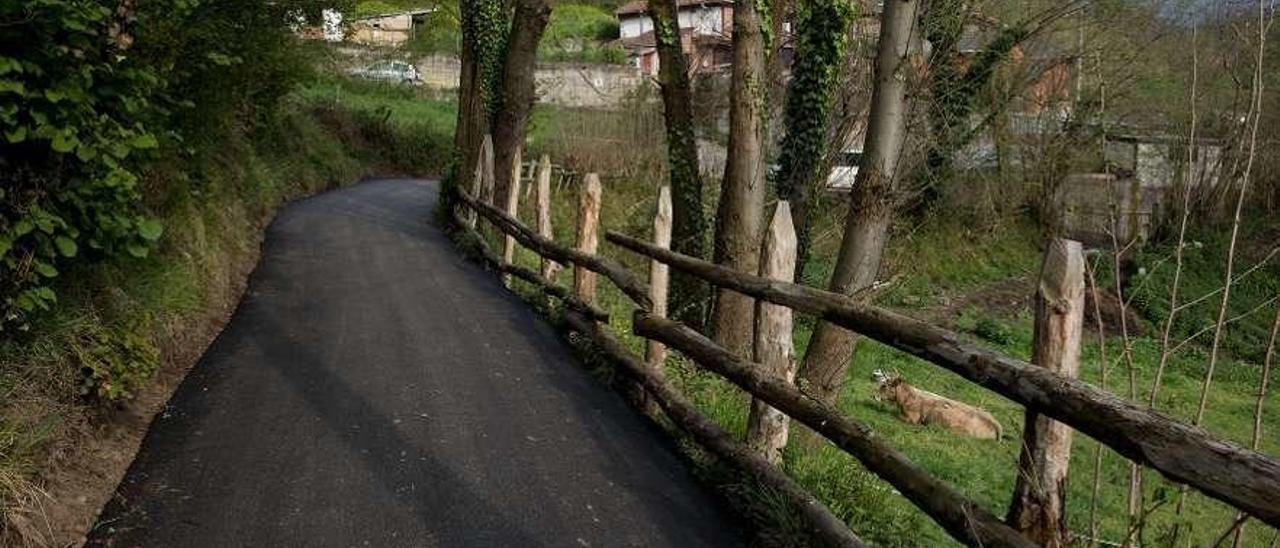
(825,525)
(630,284)
(963,518)
(1245,479)
(570,300)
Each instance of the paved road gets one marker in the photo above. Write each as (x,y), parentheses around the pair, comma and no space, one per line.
(374,389)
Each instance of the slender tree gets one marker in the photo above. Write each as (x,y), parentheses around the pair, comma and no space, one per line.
(740,218)
(484,31)
(517,94)
(820,45)
(872,200)
(689,295)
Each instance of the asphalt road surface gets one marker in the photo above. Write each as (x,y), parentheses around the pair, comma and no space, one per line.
(376,389)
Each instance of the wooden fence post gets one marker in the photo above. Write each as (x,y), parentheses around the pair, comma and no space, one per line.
(584,281)
(1037,509)
(487,170)
(549,267)
(659,276)
(513,209)
(773,347)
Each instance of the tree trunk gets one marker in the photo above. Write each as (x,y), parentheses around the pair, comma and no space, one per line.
(871,210)
(774,345)
(1039,496)
(689,295)
(782,12)
(739,219)
(956,81)
(473,119)
(518,93)
(823,27)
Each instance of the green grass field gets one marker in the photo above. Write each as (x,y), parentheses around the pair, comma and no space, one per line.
(978,283)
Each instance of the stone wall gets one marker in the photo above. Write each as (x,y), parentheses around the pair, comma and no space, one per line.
(567,84)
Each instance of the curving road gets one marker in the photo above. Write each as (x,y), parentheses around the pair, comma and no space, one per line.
(375,389)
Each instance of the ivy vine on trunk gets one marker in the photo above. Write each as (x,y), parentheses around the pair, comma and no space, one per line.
(689,295)
(823,32)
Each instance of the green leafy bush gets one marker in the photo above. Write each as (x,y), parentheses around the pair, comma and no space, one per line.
(1203,272)
(115,363)
(994,331)
(579,32)
(442,32)
(74,110)
(93,95)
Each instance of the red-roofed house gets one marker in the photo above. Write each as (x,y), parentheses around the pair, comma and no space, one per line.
(706,29)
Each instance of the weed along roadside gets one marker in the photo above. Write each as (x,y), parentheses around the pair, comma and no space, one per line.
(125,310)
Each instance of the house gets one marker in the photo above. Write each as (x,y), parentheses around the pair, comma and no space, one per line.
(704,52)
(714,17)
(706,34)
(387,29)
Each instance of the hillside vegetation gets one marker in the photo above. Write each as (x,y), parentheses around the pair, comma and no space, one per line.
(142,154)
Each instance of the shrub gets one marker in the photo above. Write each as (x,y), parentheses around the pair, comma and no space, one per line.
(994,331)
(75,108)
(92,94)
(576,33)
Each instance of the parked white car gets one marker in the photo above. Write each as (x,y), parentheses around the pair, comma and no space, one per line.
(399,72)
(845,170)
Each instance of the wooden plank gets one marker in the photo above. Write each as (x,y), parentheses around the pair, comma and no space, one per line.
(1039,497)
(961,517)
(1243,478)
(549,267)
(630,284)
(584,280)
(824,525)
(774,346)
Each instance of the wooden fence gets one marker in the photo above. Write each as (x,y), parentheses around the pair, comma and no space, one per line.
(1054,399)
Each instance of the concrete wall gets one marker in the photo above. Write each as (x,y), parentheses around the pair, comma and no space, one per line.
(1150,173)
(382,31)
(597,86)
(1095,204)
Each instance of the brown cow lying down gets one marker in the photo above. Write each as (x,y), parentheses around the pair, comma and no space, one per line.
(924,407)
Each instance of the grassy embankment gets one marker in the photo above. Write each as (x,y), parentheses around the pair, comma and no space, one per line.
(979,282)
(148,315)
